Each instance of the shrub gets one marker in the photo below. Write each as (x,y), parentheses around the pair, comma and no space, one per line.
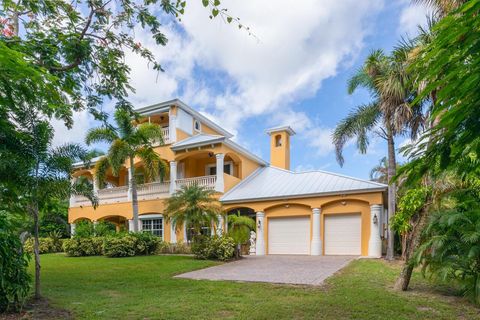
(79,247)
(217,248)
(145,243)
(46,245)
(123,246)
(173,248)
(86,229)
(14,277)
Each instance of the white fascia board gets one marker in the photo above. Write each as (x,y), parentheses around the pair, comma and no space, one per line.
(197,144)
(245,152)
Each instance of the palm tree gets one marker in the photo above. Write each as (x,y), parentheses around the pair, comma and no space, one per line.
(390,113)
(239,228)
(379,173)
(127,142)
(441,7)
(194,206)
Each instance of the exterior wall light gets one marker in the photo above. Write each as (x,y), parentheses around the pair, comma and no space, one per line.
(375,219)
(259,225)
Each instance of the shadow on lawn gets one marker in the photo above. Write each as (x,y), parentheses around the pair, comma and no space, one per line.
(41,310)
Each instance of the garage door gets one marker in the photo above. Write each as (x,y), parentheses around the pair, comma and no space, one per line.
(343,234)
(289,235)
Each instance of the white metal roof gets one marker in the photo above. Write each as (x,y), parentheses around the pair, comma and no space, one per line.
(197,140)
(271,182)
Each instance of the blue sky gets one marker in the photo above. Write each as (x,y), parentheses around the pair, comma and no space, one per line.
(294,73)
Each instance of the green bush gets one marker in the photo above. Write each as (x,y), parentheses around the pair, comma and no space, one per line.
(145,243)
(216,248)
(80,247)
(123,246)
(86,229)
(173,248)
(46,245)
(14,277)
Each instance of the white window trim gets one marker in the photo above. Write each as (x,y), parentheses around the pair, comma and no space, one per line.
(154,216)
(212,165)
(195,121)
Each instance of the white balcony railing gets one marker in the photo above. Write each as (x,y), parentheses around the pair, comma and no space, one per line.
(166,135)
(207,182)
(146,191)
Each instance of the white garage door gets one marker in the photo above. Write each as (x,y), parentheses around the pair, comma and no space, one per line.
(343,234)
(289,235)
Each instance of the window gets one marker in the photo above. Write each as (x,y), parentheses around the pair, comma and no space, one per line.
(205,231)
(196,125)
(211,169)
(153,226)
(278,140)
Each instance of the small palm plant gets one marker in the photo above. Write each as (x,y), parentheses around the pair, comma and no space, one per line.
(128,142)
(194,206)
(239,228)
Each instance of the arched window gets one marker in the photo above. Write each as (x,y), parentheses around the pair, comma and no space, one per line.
(197,126)
(278,140)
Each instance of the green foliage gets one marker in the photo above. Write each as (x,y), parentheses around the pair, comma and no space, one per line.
(451,250)
(239,228)
(145,243)
(46,245)
(87,229)
(214,248)
(14,277)
(87,246)
(173,248)
(409,204)
(53,218)
(120,246)
(193,206)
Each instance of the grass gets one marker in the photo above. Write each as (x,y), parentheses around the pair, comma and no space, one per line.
(143,288)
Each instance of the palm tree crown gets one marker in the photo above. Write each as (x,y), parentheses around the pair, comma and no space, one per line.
(194,206)
(127,142)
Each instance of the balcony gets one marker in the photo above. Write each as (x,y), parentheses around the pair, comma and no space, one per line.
(147,191)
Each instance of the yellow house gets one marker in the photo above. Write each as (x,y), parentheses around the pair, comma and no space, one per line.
(312,212)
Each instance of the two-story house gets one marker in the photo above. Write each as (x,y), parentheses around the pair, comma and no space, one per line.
(312,212)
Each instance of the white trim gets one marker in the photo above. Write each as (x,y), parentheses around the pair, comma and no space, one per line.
(288,129)
(153,216)
(150,216)
(213,165)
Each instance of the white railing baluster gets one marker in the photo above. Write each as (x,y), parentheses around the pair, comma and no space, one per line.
(208,182)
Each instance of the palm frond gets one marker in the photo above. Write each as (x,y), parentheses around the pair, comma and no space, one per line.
(153,164)
(123,119)
(150,133)
(101,168)
(118,153)
(101,134)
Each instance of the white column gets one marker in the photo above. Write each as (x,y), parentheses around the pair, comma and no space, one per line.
(260,244)
(95,185)
(129,192)
(220,225)
(130,225)
(173,177)
(72,196)
(185,240)
(72,229)
(219,184)
(172,124)
(316,244)
(375,243)
(95,223)
(173,233)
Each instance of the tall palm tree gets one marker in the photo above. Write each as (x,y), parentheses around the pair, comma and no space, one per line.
(194,206)
(391,113)
(379,173)
(441,7)
(239,228)
(127,142)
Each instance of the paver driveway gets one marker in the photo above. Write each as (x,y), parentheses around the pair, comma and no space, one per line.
(309,270)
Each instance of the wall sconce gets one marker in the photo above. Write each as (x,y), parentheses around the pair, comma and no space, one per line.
(344,203)
(287,206)
(375,219)
(210,154)
(259,225)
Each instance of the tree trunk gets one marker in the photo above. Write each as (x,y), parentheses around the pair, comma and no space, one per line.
(413,241)
(133,185)
(392,193)
(404,246)
(36,249)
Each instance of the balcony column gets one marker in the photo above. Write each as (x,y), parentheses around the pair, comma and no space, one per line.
(129,192)
(130,225)
(95,183)
(173,177)
(95,224)
(375,243)
(316,243)
(260,243)
(220,225)
(173,233)
(73,180)
(219,184)
(72,229)
(172,124)
(184,228)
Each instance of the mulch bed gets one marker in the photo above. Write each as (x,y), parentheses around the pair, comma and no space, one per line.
(38,309)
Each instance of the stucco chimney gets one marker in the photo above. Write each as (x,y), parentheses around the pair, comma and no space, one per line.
(280,146)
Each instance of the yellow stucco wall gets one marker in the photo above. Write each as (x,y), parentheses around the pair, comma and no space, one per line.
(280,155)
(333,204)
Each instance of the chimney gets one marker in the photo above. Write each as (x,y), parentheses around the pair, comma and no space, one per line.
(280,146)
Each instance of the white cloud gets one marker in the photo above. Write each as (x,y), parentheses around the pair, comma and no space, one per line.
(411,17)
(231,76)
(63,135)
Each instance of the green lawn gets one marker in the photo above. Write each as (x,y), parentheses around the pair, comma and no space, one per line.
(143,288)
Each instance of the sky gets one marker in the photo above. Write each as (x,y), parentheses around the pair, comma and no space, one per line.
(293,71)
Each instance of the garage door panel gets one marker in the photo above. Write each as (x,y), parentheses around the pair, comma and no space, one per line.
(343,234)
(289,235)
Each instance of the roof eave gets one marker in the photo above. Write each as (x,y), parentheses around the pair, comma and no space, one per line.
(198,144)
